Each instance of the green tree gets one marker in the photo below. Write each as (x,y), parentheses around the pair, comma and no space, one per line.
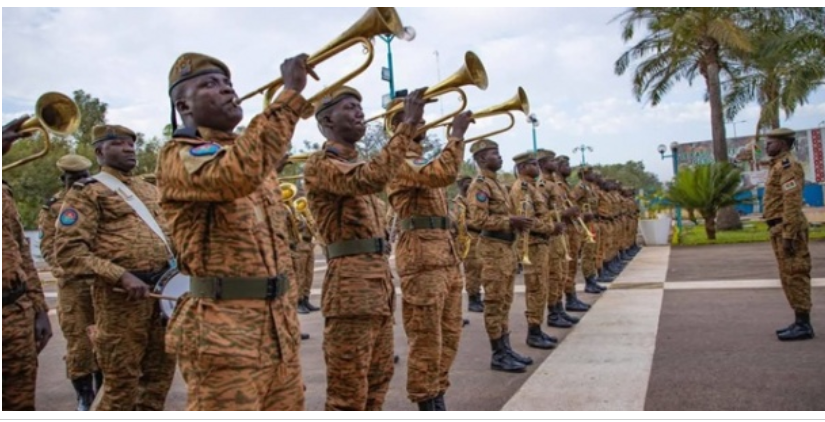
(631,174)
(706,188)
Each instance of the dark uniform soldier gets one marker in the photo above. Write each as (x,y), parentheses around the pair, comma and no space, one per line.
(26,326)
(75,311)
(535,244)
(236,332)
(472,265)
(492,210)
(100,235)
(789,231)
(358,297)
(428,263)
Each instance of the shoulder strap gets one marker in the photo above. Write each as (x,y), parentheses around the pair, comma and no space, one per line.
(133,201)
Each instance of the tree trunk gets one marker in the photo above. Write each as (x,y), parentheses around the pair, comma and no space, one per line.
(710,225)
(717,118)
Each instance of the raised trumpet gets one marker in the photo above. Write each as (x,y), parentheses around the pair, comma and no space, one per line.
(518,102)
(471,73)
(54,112)
(376,21)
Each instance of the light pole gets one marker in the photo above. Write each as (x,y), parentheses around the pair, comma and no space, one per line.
(534,121)
(734,125)
(388,75)
(582,148)
(674,155)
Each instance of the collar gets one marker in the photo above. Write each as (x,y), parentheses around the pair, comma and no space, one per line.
(341,149)
(780,157)
(207,134)
(527,179)
(123,177)
(487,173)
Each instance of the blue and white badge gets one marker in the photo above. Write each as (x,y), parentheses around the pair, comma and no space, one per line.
(68,217)
(205,150)
(481,196)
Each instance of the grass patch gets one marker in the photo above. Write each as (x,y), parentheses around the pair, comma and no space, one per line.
(752,232)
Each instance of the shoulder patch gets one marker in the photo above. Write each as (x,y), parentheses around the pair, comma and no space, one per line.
(786,163)
(480,178)
(80,184)
(205,150)
(68,217)
(789,185)
(345,167)
(481,196)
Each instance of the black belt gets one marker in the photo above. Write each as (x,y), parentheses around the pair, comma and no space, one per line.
(357,247)
(773,221)
(150,277)
(505,236)
(424,222)
(541,236)
(229,288)
(11,296)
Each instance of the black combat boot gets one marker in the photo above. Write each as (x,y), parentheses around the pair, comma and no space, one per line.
(302,306)
(591,286)
(502,361)
(304,336)
(310,306)
(474,304)
(428,404)
(555,319)
(440,405)
(536,339)
(800,330)
(605,275)
(570,318)
(575,305)
(84,387)
(524,360)
(465,322)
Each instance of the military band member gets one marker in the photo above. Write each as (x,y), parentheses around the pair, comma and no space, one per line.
(472,265)
(574,237)
(585,196)
(236,334)
(100,235)
(75,310)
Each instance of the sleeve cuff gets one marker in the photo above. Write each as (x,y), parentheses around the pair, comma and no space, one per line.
(38,301)
(294,101)
(111,273)
(403,130)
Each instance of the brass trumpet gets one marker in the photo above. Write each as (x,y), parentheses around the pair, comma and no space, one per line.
(294,177)
(582,225)
(54,112)
(525,236)
(376,21)
(471,73)
(557,214)
(301,205)
(518,102)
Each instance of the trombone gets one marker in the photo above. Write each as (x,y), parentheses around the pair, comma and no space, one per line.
(376,21)
(471,73)
(518,102)
(54,112)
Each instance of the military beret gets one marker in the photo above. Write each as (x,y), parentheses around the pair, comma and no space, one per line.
(525,157)
(585,169)
(335,97)
(545,153)
(73,162)
(482,144)
(781,133)
(562,158)
(102,133)
(190,65)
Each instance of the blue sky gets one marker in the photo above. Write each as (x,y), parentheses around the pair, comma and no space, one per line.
(563,57)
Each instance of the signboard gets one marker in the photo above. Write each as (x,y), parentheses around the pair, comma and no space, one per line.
(385,100)
(386,75)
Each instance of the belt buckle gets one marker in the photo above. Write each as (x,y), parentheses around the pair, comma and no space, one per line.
(277,286)
(381,245)
(217,288)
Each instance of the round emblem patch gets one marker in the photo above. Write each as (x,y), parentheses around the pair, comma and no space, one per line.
(481,197)
(420,161)
(205,150)
(68,217)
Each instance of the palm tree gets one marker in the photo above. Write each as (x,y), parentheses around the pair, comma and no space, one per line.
(706,188)
(786,65)
(682,42)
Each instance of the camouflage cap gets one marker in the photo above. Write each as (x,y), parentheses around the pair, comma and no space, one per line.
(190,65)
(482,145)
(545,153)
(781,133)
(72,162)
(335,97)
(102,133)
(586,169)
(525,157)
(562,158)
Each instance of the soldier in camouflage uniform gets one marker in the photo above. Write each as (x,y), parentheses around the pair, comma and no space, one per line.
(472,265)
(789,231)
(585,196)
(75,311)
(492,210)
(574,237)
(358,296)
(428,263)
(26,326)
(99,235)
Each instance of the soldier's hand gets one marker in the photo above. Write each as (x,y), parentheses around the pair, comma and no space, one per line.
(294,71)
(558,229)
(789,247)
(414,107)
(521,223)
(42,330)
(571,212)
(135,287)
(11,132)
(588,217)
(461,123)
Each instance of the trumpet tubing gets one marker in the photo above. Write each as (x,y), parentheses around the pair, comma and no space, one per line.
(582,225)
(54,112)
(565,246)
(525,237)
(518,102)
(463,236)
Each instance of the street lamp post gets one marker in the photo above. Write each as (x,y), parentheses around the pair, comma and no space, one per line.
(534,121)
(734,126)
(674,155)
(583,148)
(409,35)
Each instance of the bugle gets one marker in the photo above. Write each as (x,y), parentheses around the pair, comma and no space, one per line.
(587,233)
(518,102)
(525,236)
(376,21)
(54,112)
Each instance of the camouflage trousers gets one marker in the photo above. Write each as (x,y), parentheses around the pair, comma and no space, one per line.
(431,309)
(137,371)
(75,313)
(19,358)
(358,351)
(794,271)
(304,262)
(557,270)
(472,268)
(605,235)
(536,277)
(588,254)
(574,245)
(498,272)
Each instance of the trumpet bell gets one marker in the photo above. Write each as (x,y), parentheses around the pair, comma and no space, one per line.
(518,102)
(288,191)
(53,112)
(300,204)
